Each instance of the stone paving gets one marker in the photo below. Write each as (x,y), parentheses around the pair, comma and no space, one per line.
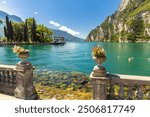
(7,97)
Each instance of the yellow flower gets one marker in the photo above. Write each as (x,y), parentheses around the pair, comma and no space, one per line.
(98,52)
(18,49)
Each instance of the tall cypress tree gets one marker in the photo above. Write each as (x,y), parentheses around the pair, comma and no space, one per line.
(8,28)
(1,22)
(34,30)
(25,34)
(11,31)
(5,31)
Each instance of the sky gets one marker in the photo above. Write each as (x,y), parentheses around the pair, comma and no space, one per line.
(77,17)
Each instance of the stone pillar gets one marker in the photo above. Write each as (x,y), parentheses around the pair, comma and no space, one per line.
(99,82)
(24,81)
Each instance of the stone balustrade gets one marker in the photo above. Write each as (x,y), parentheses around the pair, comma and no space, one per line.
(120,87)
(18,80)
(7,79)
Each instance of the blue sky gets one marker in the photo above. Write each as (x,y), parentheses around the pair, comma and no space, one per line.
(77,17)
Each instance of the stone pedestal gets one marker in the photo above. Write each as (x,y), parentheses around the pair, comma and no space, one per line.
(99,87)
(99,81)
(99,71)
(24,81)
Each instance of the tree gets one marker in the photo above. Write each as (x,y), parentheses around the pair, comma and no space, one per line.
(33,30)
(18,31)
(8,28)
(28,31)
(5,31)
(137,29)
(1,21)
(11,31)
(43,34)
(25,32)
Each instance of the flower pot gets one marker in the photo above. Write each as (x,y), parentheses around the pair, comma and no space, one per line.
(23,56)
(99,70)
(99,60)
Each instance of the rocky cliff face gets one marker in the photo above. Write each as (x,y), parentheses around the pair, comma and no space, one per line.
(130,23)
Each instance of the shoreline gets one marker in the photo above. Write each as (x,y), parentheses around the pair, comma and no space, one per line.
(11,44)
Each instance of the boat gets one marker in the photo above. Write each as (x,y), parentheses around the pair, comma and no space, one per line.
(58,41)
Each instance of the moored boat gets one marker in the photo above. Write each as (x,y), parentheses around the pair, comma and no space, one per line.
(58,41)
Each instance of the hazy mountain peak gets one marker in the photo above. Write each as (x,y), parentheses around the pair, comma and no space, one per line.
(12,17)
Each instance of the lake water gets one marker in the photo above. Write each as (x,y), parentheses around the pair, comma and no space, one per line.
(77,57)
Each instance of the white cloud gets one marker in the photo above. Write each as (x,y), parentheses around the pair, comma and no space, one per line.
(54,23)
(64,28)
(4,2)
(35,13)
(68,30)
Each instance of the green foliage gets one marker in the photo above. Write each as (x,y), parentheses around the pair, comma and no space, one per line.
(3,39)
(25,31)
(137,29)
(143,7)
(18,32)
(33,30)
(28,31)
(1,22)
(7,29)
(43,34)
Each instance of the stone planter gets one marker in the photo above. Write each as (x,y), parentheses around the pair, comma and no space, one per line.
(99,60)
(99,70)
(23,56)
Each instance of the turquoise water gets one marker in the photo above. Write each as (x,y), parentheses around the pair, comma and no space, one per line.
(77,57)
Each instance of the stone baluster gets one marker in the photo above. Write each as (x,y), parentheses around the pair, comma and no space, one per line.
(130,91)
(121,91)
(140,93)
(149,95)
(24,81)
(3,76)
(0,76)
(112,90)
(13,78)
(7,77)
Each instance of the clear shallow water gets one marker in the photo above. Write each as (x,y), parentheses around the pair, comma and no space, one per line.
(77,57)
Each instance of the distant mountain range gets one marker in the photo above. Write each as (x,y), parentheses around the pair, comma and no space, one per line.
(67,36)
(11,17)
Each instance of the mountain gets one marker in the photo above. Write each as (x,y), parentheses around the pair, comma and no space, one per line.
(11,17)
(130,23)
(2,18)
(68,37)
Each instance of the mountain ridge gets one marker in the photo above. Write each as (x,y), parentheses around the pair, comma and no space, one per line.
(130,23)
(2,18)
(11,17)
(68,37)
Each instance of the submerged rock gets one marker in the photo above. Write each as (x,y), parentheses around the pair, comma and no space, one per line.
(63,80)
